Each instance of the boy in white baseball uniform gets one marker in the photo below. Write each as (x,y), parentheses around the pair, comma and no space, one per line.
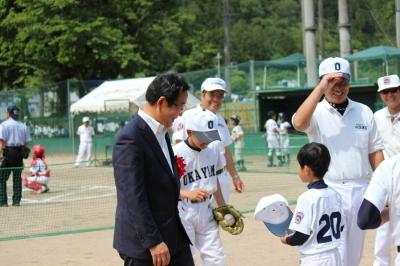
(318,220)
(284,127)
(212,98)
(272,138)
(199,184)
(85,133)
(348,129)
(388,123)
(383,191)
(238,140)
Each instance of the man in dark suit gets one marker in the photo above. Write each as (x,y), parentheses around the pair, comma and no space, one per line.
(148,230)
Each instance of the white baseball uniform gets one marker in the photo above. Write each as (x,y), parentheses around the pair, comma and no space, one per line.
(350,138)
(226,140)
(237,138)
(384,189)
(389,129)
(320,215)
(201,171)
(177,130)
(284,137)
(272,137)
(85,145)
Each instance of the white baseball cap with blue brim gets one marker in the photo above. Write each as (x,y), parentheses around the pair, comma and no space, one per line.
(335,65)
(203,123)
(275,213)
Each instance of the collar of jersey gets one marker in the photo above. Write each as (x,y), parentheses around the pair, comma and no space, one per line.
(350,105)
(317,184)
(190,146)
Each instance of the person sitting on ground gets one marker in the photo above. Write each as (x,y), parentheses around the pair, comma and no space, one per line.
(39,172)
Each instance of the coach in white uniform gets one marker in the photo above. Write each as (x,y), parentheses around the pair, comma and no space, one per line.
(212,97)
(85,133)
(383,190)
(349,131)
(388,122)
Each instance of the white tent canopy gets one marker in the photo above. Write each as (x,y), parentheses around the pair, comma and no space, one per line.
(118,95)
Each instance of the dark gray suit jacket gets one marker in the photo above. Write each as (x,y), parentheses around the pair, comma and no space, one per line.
(147,193)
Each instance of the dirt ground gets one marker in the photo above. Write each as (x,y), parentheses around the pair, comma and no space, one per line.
(56,223)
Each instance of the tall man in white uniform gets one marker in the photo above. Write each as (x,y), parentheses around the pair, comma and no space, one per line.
(212,97)
(349,131)
(85,133)
(388,123)
(383,191)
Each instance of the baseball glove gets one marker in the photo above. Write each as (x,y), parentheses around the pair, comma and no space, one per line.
(219,214)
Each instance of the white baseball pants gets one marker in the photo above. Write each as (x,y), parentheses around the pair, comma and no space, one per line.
(383,244)
(84,153)
(203,231)
(327,258)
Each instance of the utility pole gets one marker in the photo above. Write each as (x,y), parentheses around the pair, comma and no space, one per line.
(227,55)
(321,43)
(344,29)
(398,23)
(309,34)
(218,64)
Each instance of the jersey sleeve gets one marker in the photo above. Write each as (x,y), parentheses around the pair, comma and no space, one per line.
(375,141)
(377,190)
(302,217)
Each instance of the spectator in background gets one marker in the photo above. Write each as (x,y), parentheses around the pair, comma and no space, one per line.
(272,139)
(284,127)
(86,134)
(238,140)
(14,135)
(388,123)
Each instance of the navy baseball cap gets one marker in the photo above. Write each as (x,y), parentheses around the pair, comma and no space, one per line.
(13,110)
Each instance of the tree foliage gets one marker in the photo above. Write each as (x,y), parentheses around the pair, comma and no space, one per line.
(45,41)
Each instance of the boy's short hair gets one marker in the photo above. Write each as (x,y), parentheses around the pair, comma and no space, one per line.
(316,156)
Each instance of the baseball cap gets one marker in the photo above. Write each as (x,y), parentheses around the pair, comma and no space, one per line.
(388,82)
(13,110)
(274,212)
(212,84)
(203,123)
(85,119)
(335,65)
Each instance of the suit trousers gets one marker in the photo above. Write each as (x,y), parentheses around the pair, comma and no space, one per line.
(182,257)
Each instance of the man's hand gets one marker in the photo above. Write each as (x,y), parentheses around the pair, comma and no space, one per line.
(329,81)
(160,254)
(238,184)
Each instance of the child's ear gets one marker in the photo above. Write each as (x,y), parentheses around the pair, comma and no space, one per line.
(189,132)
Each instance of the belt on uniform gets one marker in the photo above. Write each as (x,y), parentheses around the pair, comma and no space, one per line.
(398,249)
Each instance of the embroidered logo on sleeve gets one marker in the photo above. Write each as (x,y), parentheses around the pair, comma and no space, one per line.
(299,216)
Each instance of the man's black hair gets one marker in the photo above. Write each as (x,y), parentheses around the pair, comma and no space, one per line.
(169,85)
(316,156)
